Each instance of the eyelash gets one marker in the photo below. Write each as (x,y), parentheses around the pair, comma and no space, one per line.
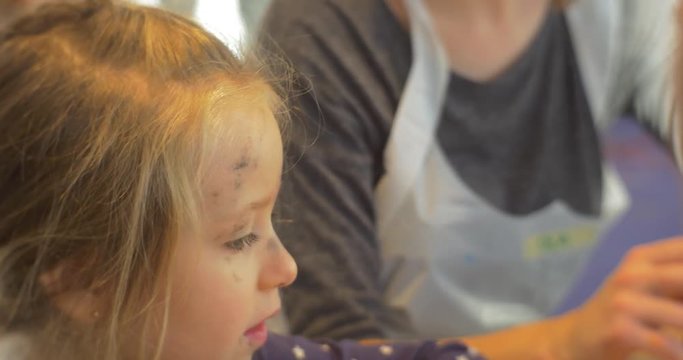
(242,243)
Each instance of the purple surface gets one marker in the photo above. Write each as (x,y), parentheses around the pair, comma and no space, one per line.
(652,179)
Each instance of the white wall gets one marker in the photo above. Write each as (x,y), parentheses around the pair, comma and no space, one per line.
(221,17)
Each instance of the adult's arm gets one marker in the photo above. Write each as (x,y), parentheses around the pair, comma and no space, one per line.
(334,154)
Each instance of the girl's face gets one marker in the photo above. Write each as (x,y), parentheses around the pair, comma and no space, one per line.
(225,282)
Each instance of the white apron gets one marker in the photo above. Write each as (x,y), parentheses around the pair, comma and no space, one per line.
(456,264)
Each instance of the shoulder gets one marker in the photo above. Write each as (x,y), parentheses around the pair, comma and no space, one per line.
(317,14)
(621,16)
(618,42)
(327,28)
(624,31)
(345,50)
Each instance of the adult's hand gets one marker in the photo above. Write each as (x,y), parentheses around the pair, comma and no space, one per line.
(638,307)
(636,311)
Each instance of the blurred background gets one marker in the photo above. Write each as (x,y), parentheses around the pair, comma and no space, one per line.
(231,20)
(646,166)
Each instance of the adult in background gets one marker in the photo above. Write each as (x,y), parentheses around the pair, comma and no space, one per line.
(457,172)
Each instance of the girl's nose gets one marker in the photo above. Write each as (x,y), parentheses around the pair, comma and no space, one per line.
(279,269)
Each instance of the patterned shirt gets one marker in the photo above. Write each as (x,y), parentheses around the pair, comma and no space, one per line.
(297,348)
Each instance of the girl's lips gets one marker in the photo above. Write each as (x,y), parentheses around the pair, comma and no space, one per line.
(257,335)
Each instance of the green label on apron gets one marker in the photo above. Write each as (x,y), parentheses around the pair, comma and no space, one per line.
(555,242)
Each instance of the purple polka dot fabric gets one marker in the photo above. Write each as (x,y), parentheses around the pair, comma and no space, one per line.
(281,347)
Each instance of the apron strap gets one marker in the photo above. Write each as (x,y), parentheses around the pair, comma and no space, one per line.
(417,116)
(594,27)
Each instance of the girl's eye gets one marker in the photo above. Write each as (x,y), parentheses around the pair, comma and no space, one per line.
(242,243)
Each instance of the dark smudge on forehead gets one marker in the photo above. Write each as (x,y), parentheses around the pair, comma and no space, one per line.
(241,164)
(244,162)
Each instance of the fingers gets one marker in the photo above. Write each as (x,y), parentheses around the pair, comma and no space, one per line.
(639,301)
(649,309)
(658,344)
(649,286)
(668,280)
(668,250)
(663,279)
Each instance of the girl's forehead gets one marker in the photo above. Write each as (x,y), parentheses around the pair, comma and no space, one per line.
(236,133)
(247,135)
(246,164)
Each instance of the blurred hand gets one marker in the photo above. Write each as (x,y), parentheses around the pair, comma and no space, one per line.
(637,310)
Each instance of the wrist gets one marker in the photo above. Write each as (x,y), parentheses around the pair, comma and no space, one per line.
(560,341)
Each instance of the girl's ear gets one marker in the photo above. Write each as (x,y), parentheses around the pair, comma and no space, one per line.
(84,305)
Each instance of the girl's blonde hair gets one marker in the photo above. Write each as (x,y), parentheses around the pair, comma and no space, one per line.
(106,112)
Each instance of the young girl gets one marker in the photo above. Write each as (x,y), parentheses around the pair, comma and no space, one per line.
(140,162)
(139,165)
